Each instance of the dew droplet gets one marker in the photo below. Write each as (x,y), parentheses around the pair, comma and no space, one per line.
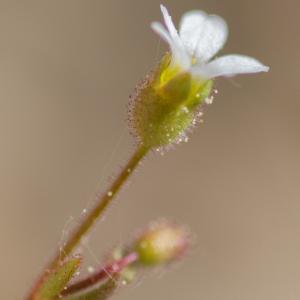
(185,109)
(110,193)
(209,100)
(90,269)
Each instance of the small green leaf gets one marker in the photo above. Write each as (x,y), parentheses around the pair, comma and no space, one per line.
(101,292)
(57,280)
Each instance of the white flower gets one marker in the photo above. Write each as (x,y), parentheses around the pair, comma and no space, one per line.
(200,37)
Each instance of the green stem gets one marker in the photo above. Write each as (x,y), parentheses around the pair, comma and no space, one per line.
(102,203)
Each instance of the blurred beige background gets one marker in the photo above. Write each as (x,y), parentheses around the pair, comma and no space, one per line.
(66,70)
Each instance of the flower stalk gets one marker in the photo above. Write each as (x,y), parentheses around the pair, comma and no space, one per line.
(101,205)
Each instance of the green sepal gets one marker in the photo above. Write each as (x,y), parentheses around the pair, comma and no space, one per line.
(199,92)
(166,104)
(57,280)
(176,90)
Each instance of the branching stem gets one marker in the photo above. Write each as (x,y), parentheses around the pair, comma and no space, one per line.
(91,217)
(106,272)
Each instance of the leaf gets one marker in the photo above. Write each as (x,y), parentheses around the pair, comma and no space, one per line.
(57,280)
(101,292)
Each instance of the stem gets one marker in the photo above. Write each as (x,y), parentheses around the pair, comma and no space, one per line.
(106,272)
(102,292)
(102,203)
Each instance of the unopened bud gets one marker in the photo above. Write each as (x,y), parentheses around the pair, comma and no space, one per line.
(161,243)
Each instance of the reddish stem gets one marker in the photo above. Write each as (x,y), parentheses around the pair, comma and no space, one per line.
(96,212)
(104,273)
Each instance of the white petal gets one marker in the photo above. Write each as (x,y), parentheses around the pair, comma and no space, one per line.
(191,27)
(162,32)
(179,54)
(204,35)
(169,23)
(230,65)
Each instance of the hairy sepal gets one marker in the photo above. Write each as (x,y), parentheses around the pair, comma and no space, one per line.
(165,104)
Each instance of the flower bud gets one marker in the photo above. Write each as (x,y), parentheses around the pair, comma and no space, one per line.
(165,104)
(161,243)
